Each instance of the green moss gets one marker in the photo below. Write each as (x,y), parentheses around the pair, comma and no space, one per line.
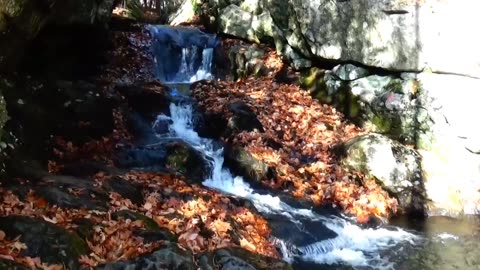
(178,159)
(79,247)
(381,124)
(395,86)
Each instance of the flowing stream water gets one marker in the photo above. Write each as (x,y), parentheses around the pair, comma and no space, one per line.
(308,238)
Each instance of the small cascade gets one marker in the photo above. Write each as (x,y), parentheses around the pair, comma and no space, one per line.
(352,245)
(182,55)
(308,239)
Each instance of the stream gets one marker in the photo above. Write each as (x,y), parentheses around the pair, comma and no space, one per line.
(306,238)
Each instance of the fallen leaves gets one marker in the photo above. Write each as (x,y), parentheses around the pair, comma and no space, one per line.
(299,138)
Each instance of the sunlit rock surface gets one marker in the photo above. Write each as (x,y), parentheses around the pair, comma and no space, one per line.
(432,112)
(392,34)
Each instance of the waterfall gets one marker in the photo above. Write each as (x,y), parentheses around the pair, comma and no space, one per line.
(352,245)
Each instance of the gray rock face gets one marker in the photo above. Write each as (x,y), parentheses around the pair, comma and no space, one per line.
(432,112)
(392,34)
(396,167)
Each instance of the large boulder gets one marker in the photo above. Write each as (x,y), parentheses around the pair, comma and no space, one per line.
(420,110)
(50,242)
(392,34)
(395,167)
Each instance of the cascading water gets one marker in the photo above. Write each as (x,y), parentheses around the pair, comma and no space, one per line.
(347,243)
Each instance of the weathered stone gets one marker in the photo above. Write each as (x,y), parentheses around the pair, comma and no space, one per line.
(48,241)
(395,167)
(245,61)
(244,164)
(391,34)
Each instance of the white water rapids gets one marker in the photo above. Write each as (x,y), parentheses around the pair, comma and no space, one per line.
(353,245)
(380,248)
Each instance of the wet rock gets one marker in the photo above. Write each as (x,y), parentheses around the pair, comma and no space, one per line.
(63,198)
(210,125)
(148,99)
(162,125)
(188,161)
(127,189)
(169,257)
(242,163)
(243,119)
(48,241)
(141,157)
(240,259)
(168,155)
(395,167)
(299,233)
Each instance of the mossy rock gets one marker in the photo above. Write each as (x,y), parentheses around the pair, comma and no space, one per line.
(168,257)
(127,214)
(53,244)
(186,160)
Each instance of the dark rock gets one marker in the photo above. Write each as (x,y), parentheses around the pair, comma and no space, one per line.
(210,125)
(153,236)
(162,124)
(169,257)
(84,228)
(244,119)
(62,198)
(11,265)
(150,224)
(300,233)
(242,163)
(149,99)
(240,259)
(127,189)
(141,157)
(141,129)
(187,160)
(83,168)
(56,189)
(48,241)
(21,21)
